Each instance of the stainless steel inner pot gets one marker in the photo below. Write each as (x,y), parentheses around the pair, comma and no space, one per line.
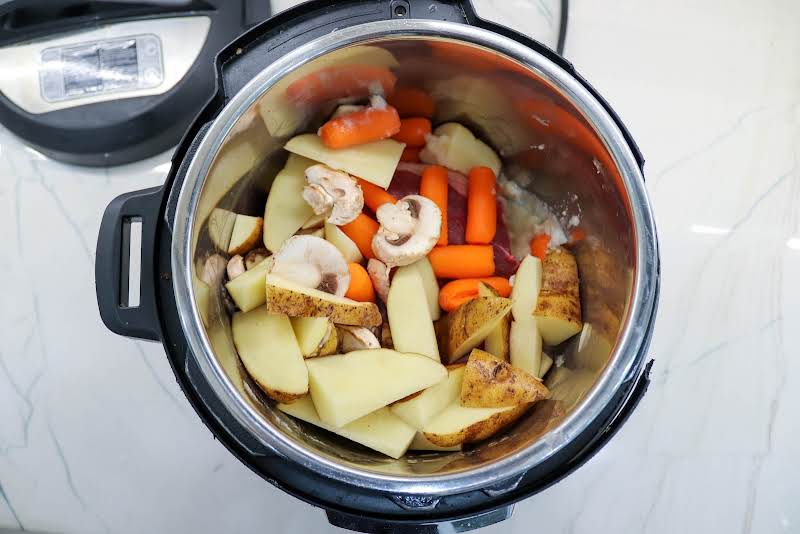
(556,140)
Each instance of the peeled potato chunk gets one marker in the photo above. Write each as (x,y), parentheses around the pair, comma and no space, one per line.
(490,382)
(418,410)
(409,316)
(455,147)
(247,289)
(380,430)
(558,309)
(286,211)
(526,345)
(527,284)
(374,162)
(345,387)
(268,349)
(315,335)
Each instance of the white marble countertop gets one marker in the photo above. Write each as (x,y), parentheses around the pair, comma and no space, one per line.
(96,435)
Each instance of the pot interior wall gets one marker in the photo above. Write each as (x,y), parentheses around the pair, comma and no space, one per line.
(547,148)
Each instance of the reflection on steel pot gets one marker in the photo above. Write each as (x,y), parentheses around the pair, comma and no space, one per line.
(285,77)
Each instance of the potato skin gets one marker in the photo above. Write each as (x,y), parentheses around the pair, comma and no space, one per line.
(479,431)
(281,396)
(560,296)
(468,319)
(294,304)
(490,382)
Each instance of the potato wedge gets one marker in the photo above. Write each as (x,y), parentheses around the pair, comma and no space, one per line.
(526,345)
(527,285)
(497,342)
(459,424)
(286,211)
(420,409)
(558,309)
(374,162)
(380,430)
(455,147)
(246,234)
(471,323)
(431,286)
(316,336)
(421,443)
(294,300)
(269,351)
(335,236)
(409,317)
(345,387)
(490,382)
(247,290)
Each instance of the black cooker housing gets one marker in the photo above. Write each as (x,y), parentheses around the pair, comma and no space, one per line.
(156,318)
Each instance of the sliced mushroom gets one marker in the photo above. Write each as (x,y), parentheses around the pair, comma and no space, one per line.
(409,230)
(356,338)
(254,257)
(213,270)
(312,262)
(379,274)
(333,191)
(235,267)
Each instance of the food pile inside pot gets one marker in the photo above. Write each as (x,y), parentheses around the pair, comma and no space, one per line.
(400,290)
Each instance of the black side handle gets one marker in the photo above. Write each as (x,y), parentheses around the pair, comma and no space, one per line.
(112,263)
(387,526)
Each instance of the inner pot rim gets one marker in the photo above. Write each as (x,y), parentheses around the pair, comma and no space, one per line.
(623,364)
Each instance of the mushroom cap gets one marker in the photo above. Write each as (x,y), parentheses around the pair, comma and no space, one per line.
(333,190)
(312,262)
(409,230)
(356,338)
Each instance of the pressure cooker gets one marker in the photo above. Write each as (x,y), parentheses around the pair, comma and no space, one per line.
(584,163)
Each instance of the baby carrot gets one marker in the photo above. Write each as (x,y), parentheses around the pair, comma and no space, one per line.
(462,261)
(361,231)
(411,102)
(360,288)
(360,127)
(411,154)
(434,186)
(374,196)
(413,131)
(455,293)
(577,234)
(481,206)
(539,245)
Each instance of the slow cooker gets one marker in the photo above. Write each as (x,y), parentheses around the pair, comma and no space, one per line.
(545,121)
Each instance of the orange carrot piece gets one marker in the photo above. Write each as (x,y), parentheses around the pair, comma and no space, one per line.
(577,234)
(361,231)
(413,131)
(455,293)
(434,186)
(360,127)
(411,154)
(462,261)
(360,287)
(481,206)
(374,196)
(341,81)
(539,245)
(412,102)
